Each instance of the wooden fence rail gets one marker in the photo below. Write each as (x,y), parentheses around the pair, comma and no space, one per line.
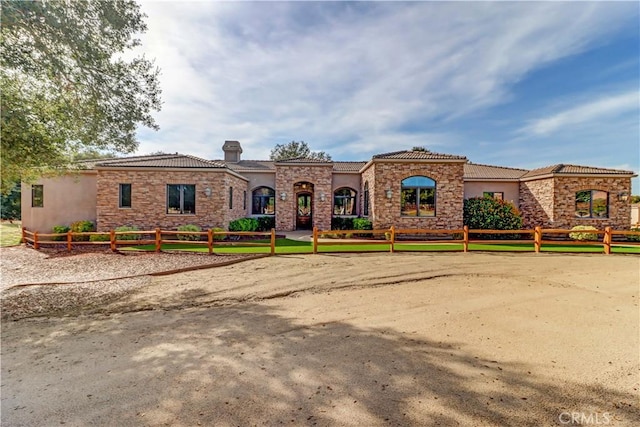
(536,237)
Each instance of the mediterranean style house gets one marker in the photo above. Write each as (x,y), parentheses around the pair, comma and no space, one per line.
(407,189)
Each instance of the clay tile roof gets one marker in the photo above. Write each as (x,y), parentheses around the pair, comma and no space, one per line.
(163,161)
(252,165)
(418,155)
(478,171)
(348,166)
(304,160)
(562,169)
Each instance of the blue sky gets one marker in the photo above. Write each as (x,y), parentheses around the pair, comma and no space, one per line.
(507,83)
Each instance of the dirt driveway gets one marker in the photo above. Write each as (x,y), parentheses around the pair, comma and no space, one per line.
(348,340)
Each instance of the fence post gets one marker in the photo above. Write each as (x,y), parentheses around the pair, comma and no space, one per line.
(112,239)
(158,240)
(210,240)
(392,230)
(273,241)
(465,237)
(537,239)
(315,240)
(69,240)
(35,241)
(607,240)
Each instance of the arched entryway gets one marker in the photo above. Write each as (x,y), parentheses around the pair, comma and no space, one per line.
(304,205)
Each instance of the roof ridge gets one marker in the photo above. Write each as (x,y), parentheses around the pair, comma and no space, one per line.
(495,166)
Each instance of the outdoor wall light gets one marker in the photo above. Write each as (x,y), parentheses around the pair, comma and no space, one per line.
(207,192)
(283,196)
(389,193)
(623,196)
(322,197)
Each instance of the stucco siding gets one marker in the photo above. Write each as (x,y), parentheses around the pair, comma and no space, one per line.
(66,199)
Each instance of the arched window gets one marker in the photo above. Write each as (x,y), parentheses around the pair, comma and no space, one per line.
(264,201)
(418,196)
(592,204)
(344,201)
(365,209)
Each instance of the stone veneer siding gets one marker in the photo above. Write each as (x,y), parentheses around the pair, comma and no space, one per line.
(536,203)
(320,176)
(565,201)
(149,198)
(385,212)
(550,202)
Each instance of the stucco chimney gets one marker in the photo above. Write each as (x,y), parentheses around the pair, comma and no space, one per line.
(232,151)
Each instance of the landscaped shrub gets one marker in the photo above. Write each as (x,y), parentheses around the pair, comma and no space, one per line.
(60,229)
(218,236)
(188,227)
(82,227)
(243,224)
(99,238)
(128,236)
(487,213)
(266,223)
(583,235)
(634,238)
(341,223)
(362,224)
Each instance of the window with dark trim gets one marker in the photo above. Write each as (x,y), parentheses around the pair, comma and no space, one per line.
(37,196)
(244,200)
(264,201)
(124,197)
(181,199)
(344,201)
(418,197)
(592,204)
(498,195)
(230,197)
(365,209)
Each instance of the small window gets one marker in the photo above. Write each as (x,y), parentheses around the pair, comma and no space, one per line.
(37,196)
(230,197)
(244,200)
(125,196)
(344,202)
(181,199)
(418,197)
(264,201)
(365,210)
(498,195)
(592,204)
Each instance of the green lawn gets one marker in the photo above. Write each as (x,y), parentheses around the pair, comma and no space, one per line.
(10,234)
(287,246)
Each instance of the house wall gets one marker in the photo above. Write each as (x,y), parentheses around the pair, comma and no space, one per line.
(258,179)
(67,199)
(320,177)
(565,201)
(149,198)
(536,203)
(241,198)
(635,214)
(511,190)
(368,176)
(449,194)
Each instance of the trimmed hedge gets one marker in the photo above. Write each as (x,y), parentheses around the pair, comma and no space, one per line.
(582,236)
(340,223)
(82,227)
(244,224)
(128,236)
(57,229)
(266,223)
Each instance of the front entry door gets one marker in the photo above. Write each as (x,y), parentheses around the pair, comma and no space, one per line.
(304,211)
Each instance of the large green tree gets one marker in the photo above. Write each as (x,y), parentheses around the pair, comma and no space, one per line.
(70,82)
(296,149)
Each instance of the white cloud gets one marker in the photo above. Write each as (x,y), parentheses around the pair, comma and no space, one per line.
(598,110)
(267,73)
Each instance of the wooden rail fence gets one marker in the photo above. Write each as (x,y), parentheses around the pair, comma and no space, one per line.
(397,239)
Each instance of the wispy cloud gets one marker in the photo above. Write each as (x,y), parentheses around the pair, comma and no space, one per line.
(599,109)
(349,77)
